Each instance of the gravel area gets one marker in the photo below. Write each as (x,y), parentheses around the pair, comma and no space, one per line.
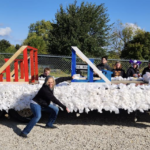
(91,131)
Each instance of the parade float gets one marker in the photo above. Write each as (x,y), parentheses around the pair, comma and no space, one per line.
(82,94)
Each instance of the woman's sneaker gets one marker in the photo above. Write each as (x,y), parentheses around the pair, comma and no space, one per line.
(52,127)
(23,135)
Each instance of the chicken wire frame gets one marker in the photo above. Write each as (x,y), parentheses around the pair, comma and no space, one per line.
(105,75)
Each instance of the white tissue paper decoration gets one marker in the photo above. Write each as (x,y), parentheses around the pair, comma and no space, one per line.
(146,77)
(80,97)
(120,78)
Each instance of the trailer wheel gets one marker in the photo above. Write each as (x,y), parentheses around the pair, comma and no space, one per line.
(24,115)
(2,113)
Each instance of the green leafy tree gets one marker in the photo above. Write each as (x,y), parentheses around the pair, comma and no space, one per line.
(85,26)
(11,49)
(37,42)
(38,36)
(113,55)
(122,34)
(138,48)
(17,46)
(4,44)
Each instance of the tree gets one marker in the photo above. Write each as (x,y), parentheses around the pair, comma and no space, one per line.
(11,49)
(138,48)
(85,26)
(37,42)
(38,35)
(113,55)
(122,34)
(4,44)
(17,46)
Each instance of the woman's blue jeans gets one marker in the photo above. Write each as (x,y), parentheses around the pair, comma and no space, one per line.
(36,110)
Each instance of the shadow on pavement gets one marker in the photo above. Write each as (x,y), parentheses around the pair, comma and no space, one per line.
(92,118)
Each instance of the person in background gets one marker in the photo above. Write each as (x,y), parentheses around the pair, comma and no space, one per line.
(46,73)
(147,69)
(133,71)
(41,102)
(118,71)
(103,65)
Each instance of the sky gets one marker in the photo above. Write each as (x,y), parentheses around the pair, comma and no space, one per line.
(17,15)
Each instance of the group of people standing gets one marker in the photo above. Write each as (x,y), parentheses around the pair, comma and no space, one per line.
(132,71)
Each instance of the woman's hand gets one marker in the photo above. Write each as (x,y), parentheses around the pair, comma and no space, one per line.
(67,110)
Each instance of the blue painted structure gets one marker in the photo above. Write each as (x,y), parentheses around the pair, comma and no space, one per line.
(90,71)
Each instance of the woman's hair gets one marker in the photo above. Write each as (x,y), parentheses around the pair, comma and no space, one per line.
(53,81)
(116,64)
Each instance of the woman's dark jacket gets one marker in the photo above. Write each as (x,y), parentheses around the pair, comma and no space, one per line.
(45,94)
(118,72)
(147,69)
(132,71)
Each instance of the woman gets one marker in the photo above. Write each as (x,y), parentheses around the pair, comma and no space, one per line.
(118,71)
(41,102)
(133,71)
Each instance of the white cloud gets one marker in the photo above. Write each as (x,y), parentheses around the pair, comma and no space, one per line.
(5,31)
(132,25)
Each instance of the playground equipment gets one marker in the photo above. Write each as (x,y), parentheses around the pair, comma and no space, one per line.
(22,64)
(105,75)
